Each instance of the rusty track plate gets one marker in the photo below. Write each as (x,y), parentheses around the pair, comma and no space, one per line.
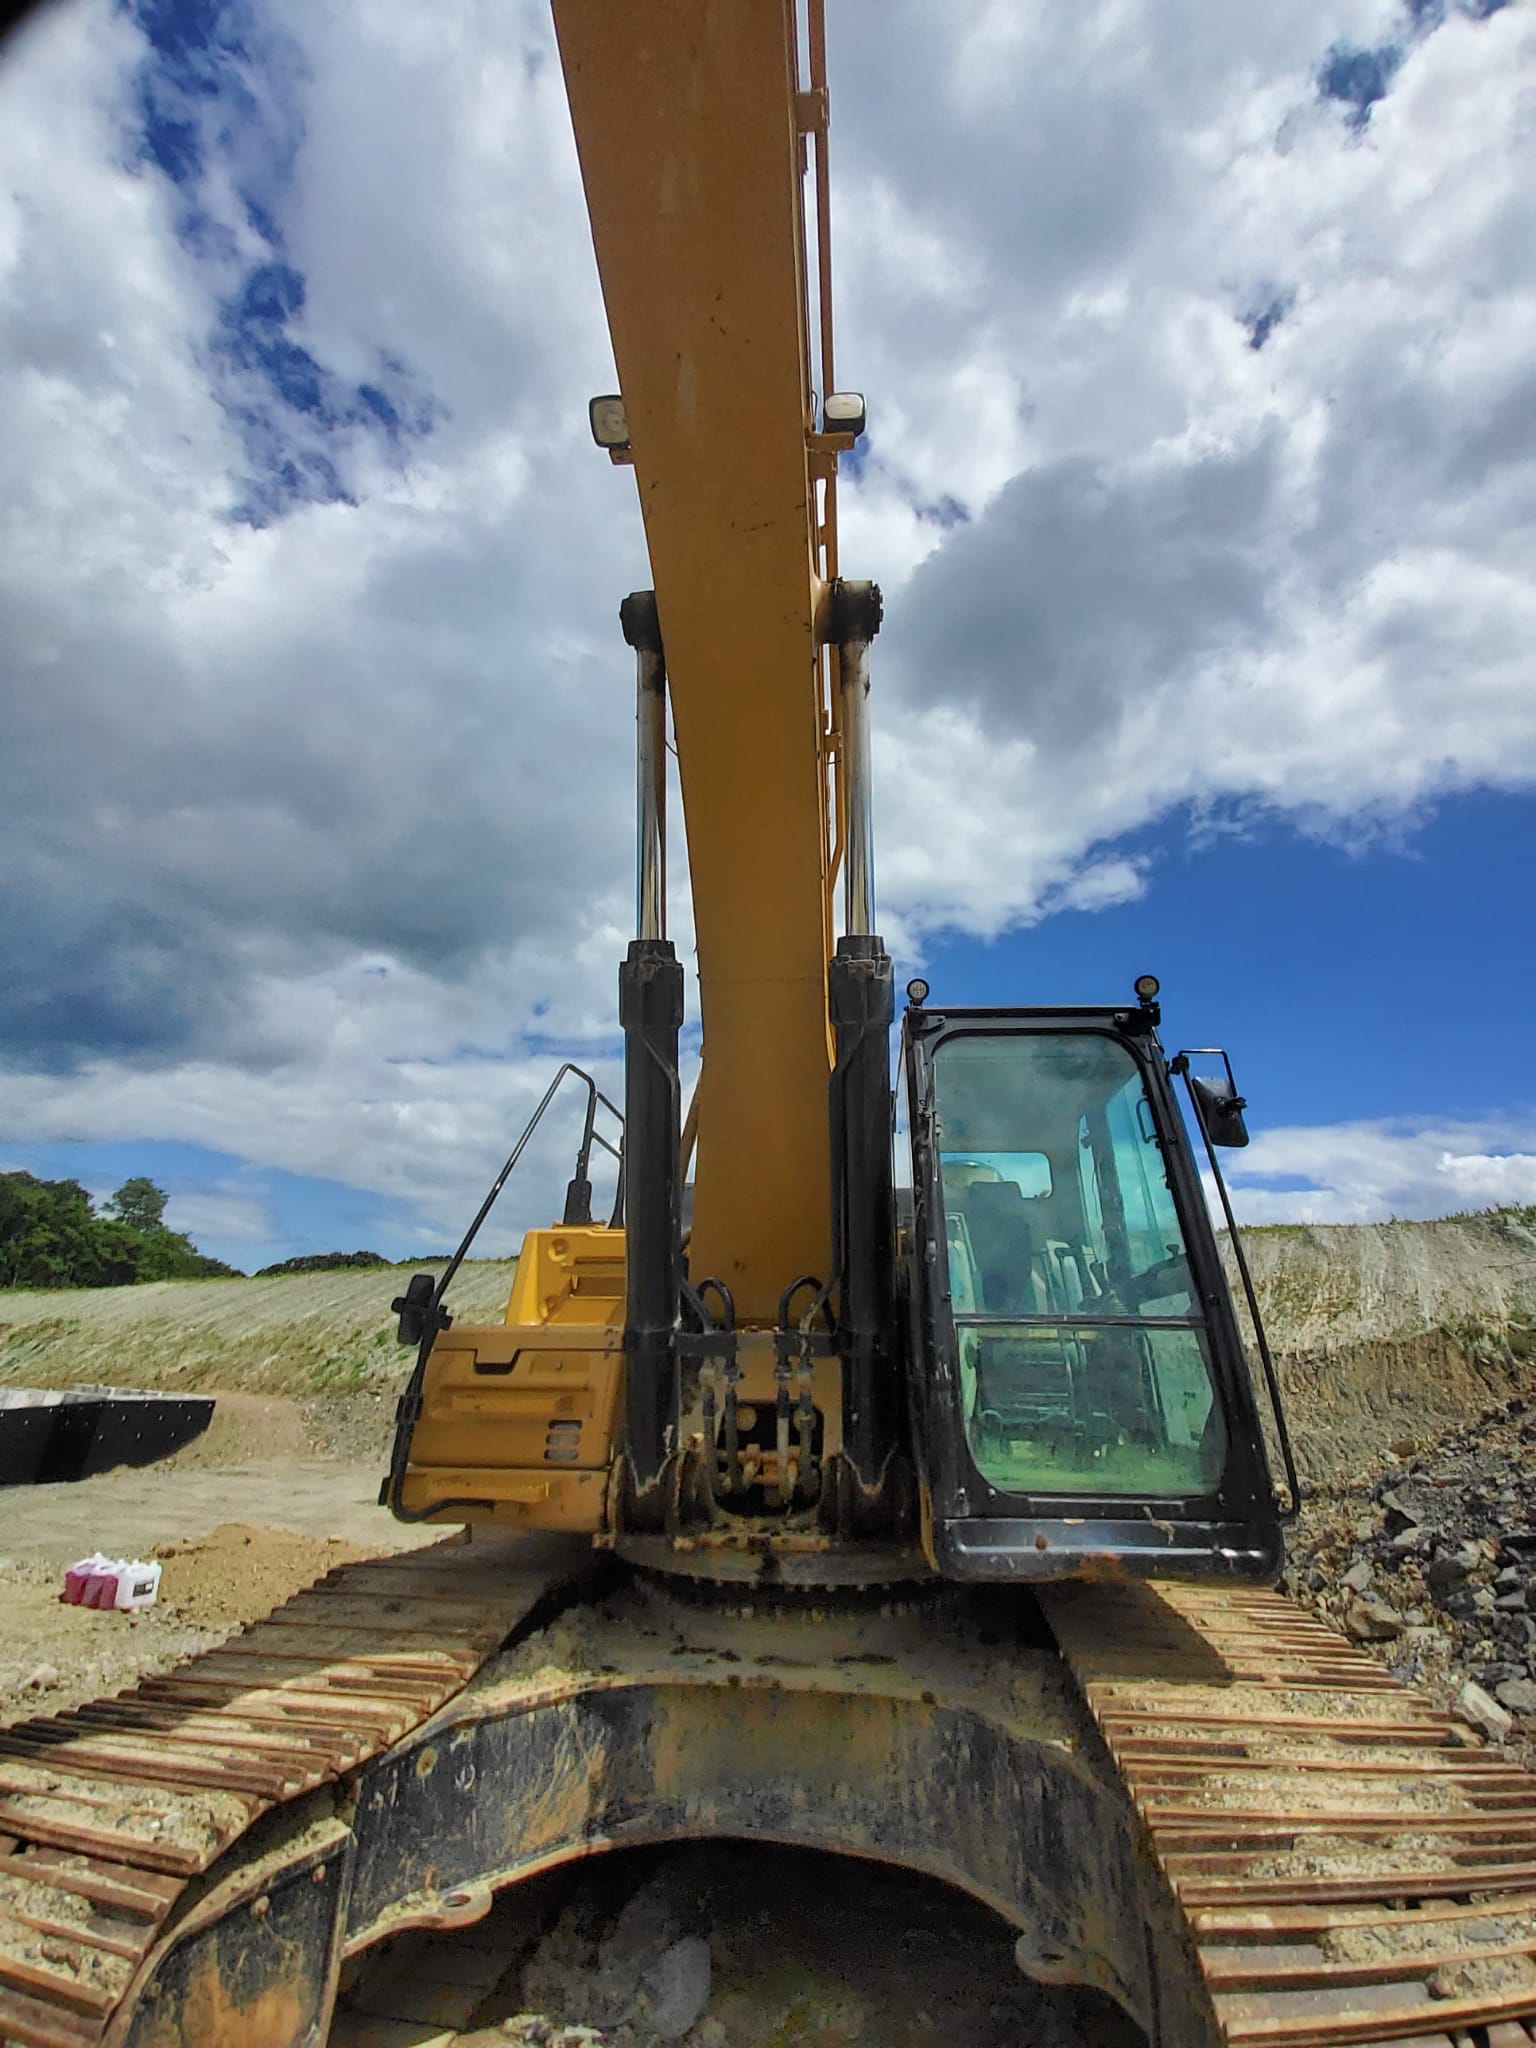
(1351,1874)
(108,1812)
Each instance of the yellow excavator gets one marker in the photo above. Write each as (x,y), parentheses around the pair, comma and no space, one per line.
(917,1514)
(1035,1368)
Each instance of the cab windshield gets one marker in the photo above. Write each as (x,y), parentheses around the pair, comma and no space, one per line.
(1084,1364)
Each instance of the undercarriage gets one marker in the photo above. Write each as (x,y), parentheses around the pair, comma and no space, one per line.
(1197,1802)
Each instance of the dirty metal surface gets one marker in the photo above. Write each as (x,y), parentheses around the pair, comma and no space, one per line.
(1350,1873)
(930,1736)
(1316,1864)
(112,1815)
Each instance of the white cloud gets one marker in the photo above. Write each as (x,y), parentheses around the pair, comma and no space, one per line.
(227,1212)
(1132,563)
(374,1087)
(1370,1171)
(1297,576)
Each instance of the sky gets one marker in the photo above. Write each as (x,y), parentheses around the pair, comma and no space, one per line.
(1200,481)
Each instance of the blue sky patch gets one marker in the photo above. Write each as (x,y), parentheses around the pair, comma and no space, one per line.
(1358,78)
(1336,978)
(1261,323)
(220,91)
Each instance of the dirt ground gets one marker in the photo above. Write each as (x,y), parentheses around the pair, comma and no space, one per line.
(240,1520)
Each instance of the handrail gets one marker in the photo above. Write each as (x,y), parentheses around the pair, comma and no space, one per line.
(594,1097)
(436,1318)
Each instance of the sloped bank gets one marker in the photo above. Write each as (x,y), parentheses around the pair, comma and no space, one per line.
(316,1351)
(1391,1334)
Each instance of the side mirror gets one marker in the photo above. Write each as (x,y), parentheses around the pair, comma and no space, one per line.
(1221,1111)
(413,1308)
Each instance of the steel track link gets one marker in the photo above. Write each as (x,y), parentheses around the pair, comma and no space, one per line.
(1351,1873)
(111,1813)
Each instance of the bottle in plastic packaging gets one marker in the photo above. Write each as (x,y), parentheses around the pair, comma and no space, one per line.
(121,1583)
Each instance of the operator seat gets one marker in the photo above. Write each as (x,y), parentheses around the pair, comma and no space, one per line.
(1026,1381)
(1003,1246)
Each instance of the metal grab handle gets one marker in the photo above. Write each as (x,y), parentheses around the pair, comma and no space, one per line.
(594,1097)
(436,1319)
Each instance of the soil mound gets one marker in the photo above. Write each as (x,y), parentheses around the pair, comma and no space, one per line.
(238,1572)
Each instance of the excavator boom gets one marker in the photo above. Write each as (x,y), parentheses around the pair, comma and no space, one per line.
(688,126)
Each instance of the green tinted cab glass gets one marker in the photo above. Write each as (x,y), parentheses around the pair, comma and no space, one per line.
(1084,1366)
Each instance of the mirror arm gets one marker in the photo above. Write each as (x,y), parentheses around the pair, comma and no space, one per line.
(1180,1065)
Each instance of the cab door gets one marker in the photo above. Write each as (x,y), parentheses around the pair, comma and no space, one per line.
(1080,1391)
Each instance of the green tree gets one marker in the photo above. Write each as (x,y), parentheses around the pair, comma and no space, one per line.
(139,1204)
(51,1237)
(47,1233)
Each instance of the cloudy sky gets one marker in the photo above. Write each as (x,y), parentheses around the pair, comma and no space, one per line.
(1201,481)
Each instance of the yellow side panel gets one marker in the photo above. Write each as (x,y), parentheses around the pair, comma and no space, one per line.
(523,1417)
(684,120)
(569,1276)
(519,1500)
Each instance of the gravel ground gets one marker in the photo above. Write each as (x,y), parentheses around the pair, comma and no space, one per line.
(1432,1566)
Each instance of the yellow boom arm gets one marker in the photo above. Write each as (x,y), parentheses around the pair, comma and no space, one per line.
(688,124)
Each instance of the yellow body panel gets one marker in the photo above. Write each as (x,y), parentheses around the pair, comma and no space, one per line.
(524,1416)
(526,1413)
(684,112)
(569,1275)
(513,1499)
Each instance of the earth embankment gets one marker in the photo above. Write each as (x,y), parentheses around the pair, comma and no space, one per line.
(313,1355)
(1390,1334)
(1384,1333)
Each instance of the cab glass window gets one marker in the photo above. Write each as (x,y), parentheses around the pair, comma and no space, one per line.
(1084,1366)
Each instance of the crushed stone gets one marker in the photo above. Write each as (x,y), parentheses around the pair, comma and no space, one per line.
(1445,1535)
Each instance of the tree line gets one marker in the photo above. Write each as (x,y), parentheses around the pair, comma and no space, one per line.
(51,1235)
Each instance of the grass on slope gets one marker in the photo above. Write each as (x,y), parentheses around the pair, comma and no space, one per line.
(297,1334)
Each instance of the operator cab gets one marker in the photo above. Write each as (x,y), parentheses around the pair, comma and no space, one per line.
(1084,1400)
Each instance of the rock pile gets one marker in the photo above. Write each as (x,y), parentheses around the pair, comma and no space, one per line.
(1434,1568)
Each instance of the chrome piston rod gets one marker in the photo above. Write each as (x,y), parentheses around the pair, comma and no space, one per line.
(643,632)
(855,621)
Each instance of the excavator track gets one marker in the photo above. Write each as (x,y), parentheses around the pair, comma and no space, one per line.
(1209,1804)
(111,1814)
(1350,1872)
